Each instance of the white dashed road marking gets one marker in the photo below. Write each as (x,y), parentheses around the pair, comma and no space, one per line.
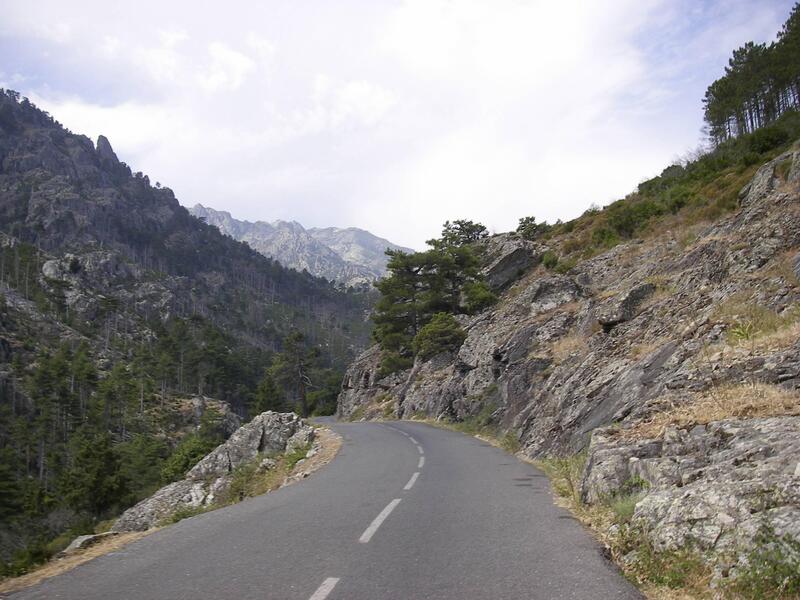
(373,527)
(325,589)
(411,481)
(421,462)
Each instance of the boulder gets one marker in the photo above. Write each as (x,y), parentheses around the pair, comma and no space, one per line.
(624,309)
(84,541)
(509,256)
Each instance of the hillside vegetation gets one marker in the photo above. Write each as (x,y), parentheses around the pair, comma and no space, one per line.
(133,336)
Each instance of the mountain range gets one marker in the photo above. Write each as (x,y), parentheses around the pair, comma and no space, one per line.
(348,256)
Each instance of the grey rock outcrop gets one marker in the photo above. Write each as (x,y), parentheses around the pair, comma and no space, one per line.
(625,308)
(554,373)
(712,486)
(84,541)
(269,433)
(508,257)
(105,152)
(766,180)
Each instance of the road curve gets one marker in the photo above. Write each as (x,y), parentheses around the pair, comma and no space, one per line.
(405,511)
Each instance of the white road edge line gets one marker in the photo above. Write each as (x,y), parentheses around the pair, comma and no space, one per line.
(421,462)
(412,481)
(325,589)
(373,527)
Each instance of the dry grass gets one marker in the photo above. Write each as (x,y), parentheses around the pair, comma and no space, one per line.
(777,340)
(567,346)
(732,401)
(62,565)
(749,323)
(782,266)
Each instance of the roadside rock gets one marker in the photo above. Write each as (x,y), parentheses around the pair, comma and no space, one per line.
(269,432)
(84,541)
(713,486)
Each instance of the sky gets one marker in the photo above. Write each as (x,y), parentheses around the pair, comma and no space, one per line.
(392,116)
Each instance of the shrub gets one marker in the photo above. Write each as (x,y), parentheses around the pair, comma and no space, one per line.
(529,229)
(565,266)
(549,259)
(442,334)
(565,475)
(191,449)
(478,296)
(767,138)
(393,362)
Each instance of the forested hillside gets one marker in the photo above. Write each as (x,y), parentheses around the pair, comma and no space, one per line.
(133,336)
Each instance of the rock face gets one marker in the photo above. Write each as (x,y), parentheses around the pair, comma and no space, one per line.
(268,433)
(508,257)
(640,329)
(349,256)
(713,485)
(122,248)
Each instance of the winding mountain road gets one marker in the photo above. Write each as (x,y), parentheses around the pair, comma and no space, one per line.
(405,511)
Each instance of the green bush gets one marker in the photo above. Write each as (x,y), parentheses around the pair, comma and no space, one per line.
(767,138)
(442,334)
(565,266)
(529,229)
(186,455)
(549,259)
(393,362)
(478,296)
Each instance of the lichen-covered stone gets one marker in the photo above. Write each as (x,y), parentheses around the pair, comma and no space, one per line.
(712,486)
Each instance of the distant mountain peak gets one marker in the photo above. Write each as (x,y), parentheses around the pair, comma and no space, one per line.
(350,256)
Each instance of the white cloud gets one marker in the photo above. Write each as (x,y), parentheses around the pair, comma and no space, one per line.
(393,116)
(227,70)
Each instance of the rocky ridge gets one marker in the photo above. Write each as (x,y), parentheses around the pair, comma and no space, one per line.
(565,362)
(350,256)
(267,436)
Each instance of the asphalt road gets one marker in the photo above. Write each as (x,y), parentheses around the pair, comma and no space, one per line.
(404,511)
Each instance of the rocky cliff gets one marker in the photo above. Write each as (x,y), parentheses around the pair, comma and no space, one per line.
(109,227)
(351,256)
(674,361)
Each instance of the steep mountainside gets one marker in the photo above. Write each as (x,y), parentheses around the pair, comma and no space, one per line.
(120,313)
(350,256)
(675,360)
